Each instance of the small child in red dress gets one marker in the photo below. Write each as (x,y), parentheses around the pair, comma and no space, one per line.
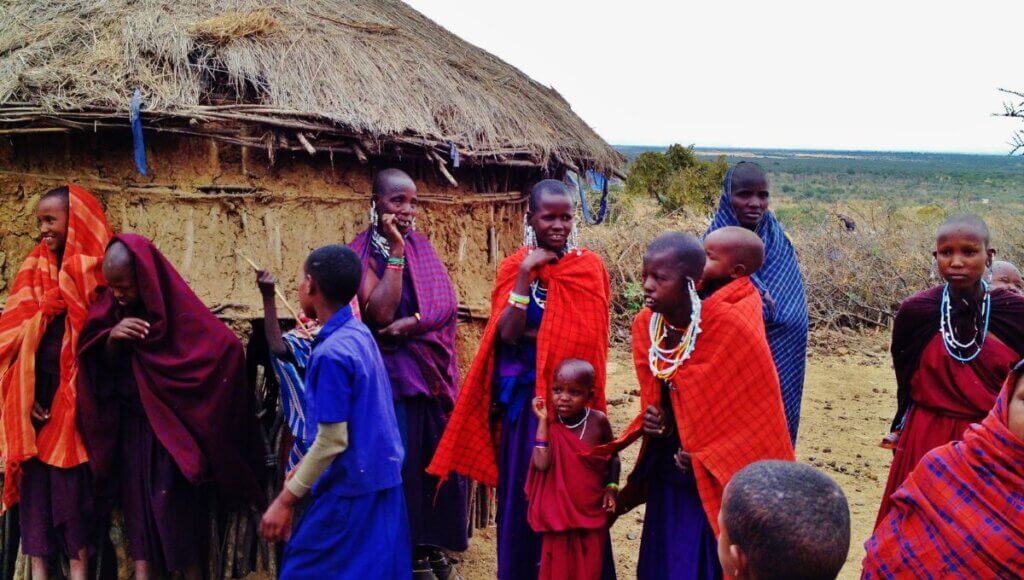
(572,493)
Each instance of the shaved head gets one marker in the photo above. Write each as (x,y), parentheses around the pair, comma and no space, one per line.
(965,224)
(747,170)
(1005,275)
(391,180)
(118,259)
(742,245)
(577,371)
(685,250)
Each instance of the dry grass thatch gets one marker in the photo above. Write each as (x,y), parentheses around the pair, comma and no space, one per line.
(371,71)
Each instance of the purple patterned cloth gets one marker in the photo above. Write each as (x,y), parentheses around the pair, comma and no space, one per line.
(433,347)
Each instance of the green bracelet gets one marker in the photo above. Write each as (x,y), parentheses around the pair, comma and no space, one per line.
(400,261)
(613,486)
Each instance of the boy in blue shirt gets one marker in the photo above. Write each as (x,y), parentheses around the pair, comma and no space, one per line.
(356,524)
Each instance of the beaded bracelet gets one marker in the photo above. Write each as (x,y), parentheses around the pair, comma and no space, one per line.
(518,305)
(613,486)
(519,299)
(394,260)
(540,444)
(395,267)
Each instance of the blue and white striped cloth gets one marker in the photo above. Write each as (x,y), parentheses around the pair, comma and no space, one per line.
(786,323)
(291,377)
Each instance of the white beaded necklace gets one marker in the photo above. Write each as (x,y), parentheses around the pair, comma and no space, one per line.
(953,345)
(582,421)
(664,362)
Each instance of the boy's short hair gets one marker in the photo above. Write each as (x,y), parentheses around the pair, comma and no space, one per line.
(967,221)
(791,520)
(684,248)
(336,270)
(548,187)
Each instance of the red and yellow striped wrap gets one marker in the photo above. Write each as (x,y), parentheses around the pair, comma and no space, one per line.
(43,289)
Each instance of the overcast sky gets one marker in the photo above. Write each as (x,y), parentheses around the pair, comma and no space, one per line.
(885,75)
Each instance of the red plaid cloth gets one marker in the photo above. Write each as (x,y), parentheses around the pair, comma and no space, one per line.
(958,514)
(43,289)
(726,398)
(575,325)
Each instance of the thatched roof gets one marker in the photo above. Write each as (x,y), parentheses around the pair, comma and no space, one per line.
(345,75)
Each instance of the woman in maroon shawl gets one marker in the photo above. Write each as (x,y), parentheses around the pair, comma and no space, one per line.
(952,346)
(163,407)
(408,300)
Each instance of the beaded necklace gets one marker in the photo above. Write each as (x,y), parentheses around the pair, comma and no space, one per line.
(664,362)
(582,421)
(953,345)
(539,293)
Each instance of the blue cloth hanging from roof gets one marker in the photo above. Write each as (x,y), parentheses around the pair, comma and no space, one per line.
(453,152)
(137,143)
(594,181)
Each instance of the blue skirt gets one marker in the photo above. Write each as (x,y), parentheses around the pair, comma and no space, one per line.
(365,536)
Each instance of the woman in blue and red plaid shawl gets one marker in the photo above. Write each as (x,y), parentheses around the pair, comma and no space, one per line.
(958,514)
(409,302)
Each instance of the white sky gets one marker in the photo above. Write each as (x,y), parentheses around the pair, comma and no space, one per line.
(898,75)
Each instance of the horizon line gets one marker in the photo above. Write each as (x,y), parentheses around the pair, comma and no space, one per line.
(696,147)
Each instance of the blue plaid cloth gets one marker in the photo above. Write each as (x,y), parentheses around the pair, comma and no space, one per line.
(291,377)
(786,322)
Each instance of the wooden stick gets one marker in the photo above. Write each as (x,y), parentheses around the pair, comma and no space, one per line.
(277,290)
(305,143)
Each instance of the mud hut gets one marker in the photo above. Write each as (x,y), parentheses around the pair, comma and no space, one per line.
(253,127)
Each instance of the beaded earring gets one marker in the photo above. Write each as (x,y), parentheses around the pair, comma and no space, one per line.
(379,242)
(529,235)
(374,219)
(574,239)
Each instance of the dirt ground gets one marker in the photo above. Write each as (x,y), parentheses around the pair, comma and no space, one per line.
(849,398)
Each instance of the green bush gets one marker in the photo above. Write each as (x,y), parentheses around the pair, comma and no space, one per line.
(677,178)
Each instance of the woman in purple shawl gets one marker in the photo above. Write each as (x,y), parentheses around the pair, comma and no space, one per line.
(409,302)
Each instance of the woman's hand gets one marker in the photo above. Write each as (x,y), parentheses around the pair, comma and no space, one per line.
(536,260)
(540,409)
(130,329)
(654,422)
(683,461)
(611,500)
(389,227)
(400,328)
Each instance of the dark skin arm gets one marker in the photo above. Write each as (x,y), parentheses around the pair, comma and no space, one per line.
(654,426)
(611,496)
(512,324)
(541,455)
(379,296)
(271,326)
(125,332)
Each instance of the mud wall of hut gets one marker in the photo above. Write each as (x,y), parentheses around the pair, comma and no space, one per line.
(205,204)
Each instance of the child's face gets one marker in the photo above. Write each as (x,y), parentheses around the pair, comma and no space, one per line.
(52,215)
(962,257)
(552,220)
(665,287)
(720,264)
(569,396)
(1007,278)
(1016,410)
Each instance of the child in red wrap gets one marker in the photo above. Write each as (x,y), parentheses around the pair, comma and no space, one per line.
(570,492)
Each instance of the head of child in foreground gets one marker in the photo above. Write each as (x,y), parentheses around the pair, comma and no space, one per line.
(963,252)
(329,279)
(672,262)
(119,272)
(1005,275)
(52,215)
(783,520)
(732,252)
(573,387)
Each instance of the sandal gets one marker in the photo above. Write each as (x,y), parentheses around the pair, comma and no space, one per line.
(422,570)
(444,569)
